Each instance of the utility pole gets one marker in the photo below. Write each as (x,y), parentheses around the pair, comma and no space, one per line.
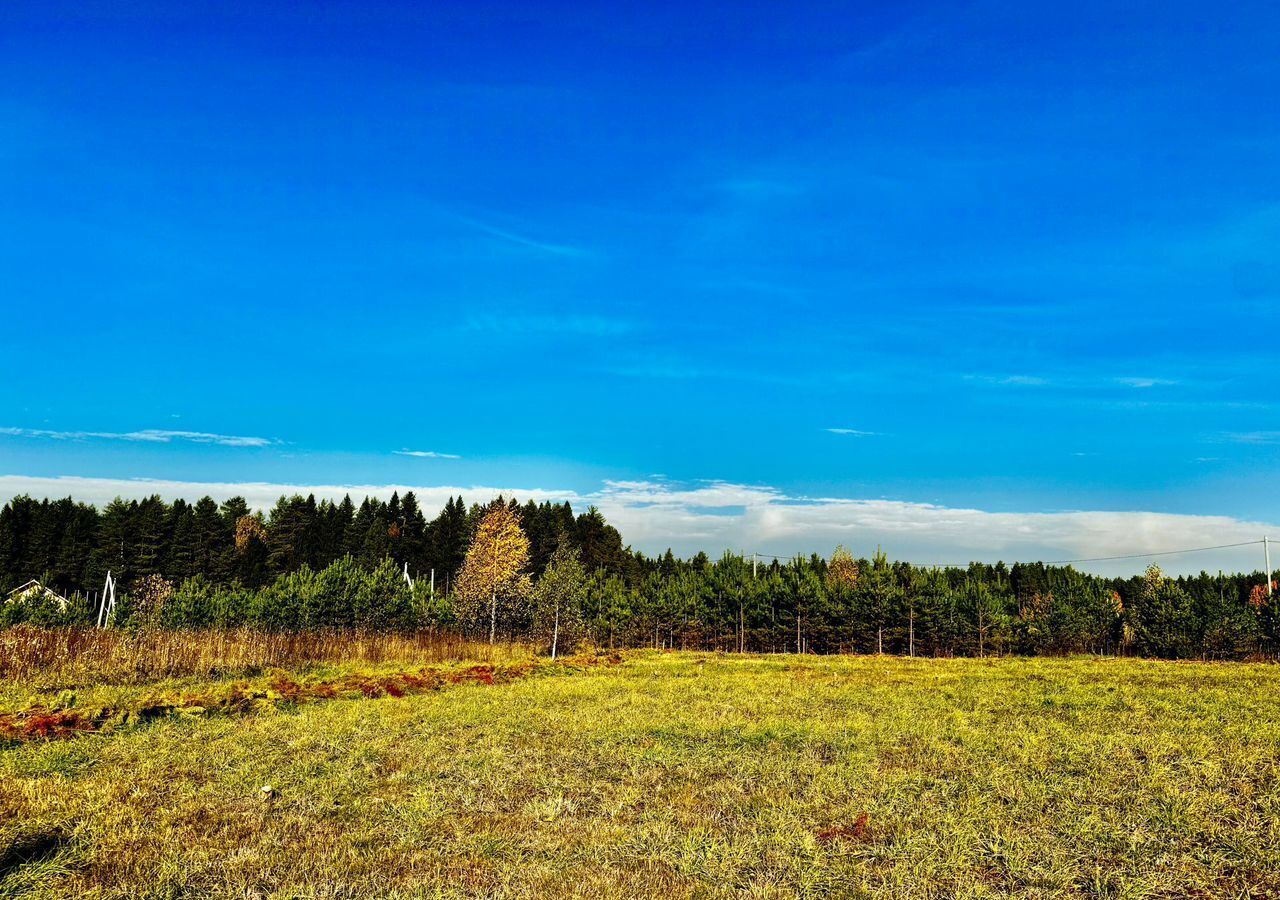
(1266,552)
(433,584)
(755,559)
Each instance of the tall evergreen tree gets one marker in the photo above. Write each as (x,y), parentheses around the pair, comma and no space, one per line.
(182,554)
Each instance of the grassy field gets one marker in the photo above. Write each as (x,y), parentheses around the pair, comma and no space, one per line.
(676,775)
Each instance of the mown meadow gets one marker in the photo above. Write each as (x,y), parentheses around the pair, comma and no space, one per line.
(660,774)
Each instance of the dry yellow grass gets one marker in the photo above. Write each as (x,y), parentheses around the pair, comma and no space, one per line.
(681,775)
(67,657)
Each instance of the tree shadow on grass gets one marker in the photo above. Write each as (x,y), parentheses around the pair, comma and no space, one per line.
(29,849)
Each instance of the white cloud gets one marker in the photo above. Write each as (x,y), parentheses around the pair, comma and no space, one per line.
(259,494)
(427,454)
(853,432)
(1253,437)
(717,515)
(146,436)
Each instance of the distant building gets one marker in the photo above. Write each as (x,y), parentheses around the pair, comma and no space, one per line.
(33,590)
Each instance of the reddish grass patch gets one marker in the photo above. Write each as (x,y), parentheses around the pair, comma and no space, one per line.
(858,832)
(481,674)
(241,697)
(41,723)
(369,689)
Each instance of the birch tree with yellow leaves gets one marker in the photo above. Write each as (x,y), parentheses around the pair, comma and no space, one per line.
(495,566)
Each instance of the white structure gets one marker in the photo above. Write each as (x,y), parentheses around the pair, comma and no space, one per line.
(108,605)
(33,590)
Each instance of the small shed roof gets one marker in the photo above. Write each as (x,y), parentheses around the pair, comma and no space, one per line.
(35,585)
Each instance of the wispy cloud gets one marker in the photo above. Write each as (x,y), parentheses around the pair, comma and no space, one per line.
(852,432)
(524,241)
(1093,385)
(1014,380)
(1146,382)
(655,514)
(1030,380)
(427,454)
(1252,437)
(146,436)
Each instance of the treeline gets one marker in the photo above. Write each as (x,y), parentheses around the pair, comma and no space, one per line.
(506,570)
(71,546)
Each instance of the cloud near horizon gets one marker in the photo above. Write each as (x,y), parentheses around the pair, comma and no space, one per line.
(713,516)
(146,436)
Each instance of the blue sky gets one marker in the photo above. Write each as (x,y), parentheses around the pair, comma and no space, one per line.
(982,256)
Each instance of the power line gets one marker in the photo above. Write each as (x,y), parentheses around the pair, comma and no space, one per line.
(1063,562)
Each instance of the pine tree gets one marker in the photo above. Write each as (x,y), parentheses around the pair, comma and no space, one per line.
(15,531)
(75,550)
(290,534)
(447,539)
(600,543)
(182,554)
(413,533)
(338,523)
(1163,617)
(151,536)
(114,552)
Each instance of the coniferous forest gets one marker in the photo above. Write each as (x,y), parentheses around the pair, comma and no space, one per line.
(505,570)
